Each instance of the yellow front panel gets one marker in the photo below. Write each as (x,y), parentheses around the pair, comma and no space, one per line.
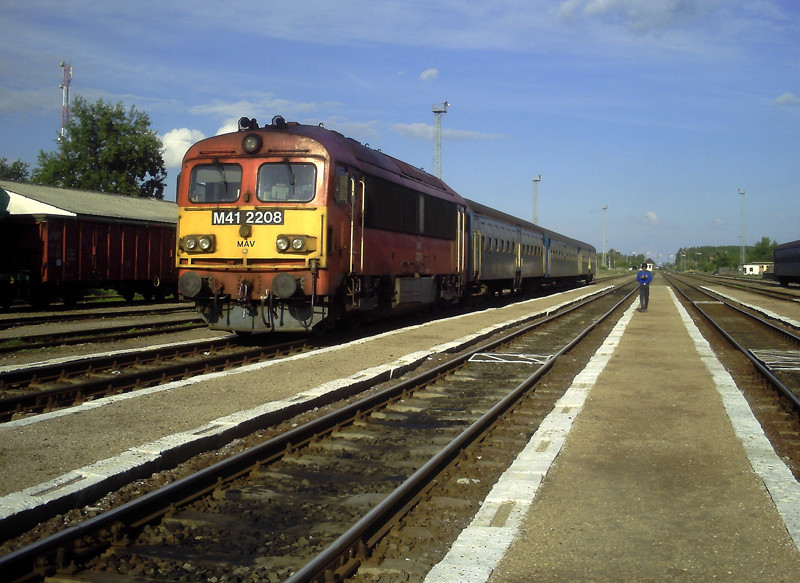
(246,236)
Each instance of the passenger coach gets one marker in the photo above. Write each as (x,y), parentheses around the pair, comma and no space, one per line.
(787,263)
(507,253)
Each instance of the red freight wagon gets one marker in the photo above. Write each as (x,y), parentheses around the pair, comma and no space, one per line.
(68,241)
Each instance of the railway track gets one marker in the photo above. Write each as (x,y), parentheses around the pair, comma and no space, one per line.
(762,288)
(99,335)
(768,364)
(315,501)
(29,317)
(41,388)
(38,389)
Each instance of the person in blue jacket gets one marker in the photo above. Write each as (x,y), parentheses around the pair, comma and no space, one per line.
(644,277)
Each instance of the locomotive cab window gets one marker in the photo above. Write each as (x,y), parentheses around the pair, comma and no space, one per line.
(215,183)
(342,195)
(286,182)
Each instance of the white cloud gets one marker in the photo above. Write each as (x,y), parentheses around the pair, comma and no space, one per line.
(639,15)
(429,75)
(363,131)
(421,131)
(787,98)
(649,218)
(228,126)
(262,109)
(176,142)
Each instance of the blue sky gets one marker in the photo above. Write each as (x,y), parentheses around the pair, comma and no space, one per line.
(658,109)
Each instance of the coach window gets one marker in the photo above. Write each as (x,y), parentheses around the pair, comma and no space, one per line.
(342,185)
(215,183)
(286,182)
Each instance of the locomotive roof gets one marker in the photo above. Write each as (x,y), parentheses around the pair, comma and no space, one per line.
(35,199)
(334,140)
(350,151)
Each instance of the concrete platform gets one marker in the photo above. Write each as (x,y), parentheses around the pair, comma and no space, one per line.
(664,475)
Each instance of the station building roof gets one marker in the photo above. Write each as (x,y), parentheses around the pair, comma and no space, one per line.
(20,198)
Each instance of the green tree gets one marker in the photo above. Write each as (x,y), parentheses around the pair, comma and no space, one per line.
(17,170)
(762,251)
(108,149)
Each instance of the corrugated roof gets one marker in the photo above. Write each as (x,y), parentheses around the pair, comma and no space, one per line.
(95,204)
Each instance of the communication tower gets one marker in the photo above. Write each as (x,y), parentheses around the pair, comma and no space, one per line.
(438,110)
(66,79)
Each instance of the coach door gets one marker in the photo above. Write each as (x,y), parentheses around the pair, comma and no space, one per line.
(547,258)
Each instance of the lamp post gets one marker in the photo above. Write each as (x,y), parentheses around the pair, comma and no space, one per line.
(438,110)
(536,180)
(605,208)
(741,234)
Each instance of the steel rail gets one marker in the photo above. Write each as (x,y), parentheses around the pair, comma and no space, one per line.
(754,360)
(43,557)
(14,319)
(354,540)
(109,333)
(37,401)
(770,292)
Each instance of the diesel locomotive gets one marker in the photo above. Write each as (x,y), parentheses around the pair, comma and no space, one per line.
(292,227)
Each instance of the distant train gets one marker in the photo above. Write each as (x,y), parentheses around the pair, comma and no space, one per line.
(292,227)
(787,263)
(61,242)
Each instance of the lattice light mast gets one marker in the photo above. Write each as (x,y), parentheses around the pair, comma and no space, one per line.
(438,110)
(66,80)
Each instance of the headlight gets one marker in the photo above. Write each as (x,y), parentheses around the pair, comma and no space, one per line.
(251,143)
(198,243)
(205,243)
(296,244)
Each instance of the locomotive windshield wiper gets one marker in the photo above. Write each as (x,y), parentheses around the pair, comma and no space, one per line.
(221,169)
(291,171)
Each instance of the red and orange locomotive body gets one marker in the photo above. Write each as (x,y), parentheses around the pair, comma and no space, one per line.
(290,227)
